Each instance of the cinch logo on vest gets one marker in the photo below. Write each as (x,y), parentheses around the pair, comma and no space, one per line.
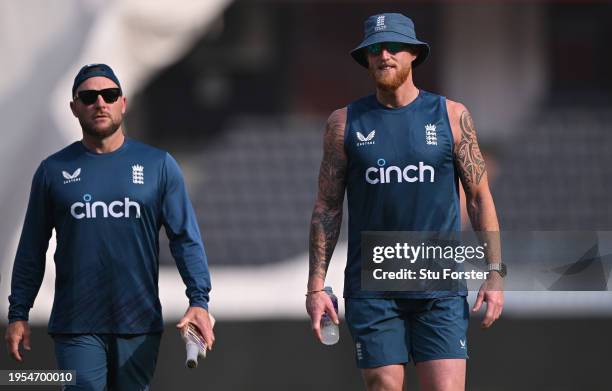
(116,209)
(410,173)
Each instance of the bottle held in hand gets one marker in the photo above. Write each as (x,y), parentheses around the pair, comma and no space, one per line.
(330,333)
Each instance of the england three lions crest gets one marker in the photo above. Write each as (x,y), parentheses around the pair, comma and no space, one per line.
(431,137)
(138,174)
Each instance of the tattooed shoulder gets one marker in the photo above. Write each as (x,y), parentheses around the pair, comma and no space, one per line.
(333,165)
(468,158)
(334,157)
(337,122)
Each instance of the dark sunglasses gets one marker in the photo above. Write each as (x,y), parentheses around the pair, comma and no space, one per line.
(88,97)
(392,47)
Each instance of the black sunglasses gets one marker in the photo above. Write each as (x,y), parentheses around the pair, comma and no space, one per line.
(88,97)
(392,47)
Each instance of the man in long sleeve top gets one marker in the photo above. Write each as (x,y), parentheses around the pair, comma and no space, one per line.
(107,197)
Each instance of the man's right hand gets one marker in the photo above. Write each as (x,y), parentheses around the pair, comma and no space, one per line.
(317,304)
(16,333)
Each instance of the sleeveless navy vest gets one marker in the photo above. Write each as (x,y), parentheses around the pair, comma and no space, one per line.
(400,177)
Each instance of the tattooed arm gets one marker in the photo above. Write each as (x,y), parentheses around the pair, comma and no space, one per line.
(472,171)
(326,217)
(479,201)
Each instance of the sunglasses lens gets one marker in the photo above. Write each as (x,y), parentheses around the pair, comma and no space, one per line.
(88,96)
(110,95)
(375,48)
(394,47)
(391,47)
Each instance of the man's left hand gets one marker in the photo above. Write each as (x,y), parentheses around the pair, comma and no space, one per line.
(491,291)
(200,318)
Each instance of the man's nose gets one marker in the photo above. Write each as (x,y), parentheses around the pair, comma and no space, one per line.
(384,53)
(99,101)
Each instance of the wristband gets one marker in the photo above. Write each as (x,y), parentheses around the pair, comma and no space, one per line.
(314,291)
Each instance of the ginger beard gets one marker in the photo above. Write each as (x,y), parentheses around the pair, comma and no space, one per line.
(392,79)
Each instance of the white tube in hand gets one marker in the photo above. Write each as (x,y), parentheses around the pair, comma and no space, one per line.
(194,344)
(192,354)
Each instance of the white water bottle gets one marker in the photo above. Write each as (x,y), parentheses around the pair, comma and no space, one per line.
(330,333)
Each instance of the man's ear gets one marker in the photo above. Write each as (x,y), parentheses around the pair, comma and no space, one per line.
(72,108)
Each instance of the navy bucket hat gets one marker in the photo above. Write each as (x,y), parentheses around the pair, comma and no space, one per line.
(93,70)
(389,28)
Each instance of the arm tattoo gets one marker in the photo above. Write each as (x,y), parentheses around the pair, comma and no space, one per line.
(327,213)
(469,160)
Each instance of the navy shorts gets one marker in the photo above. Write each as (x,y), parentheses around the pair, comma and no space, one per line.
(390,331)
(108,361)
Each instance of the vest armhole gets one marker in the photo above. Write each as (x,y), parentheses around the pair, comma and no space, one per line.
(448,122)
(346,127)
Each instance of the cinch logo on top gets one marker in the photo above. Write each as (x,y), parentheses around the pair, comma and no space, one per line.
(410,173)
(116,209)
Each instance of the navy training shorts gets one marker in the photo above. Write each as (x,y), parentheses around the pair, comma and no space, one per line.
(390,331)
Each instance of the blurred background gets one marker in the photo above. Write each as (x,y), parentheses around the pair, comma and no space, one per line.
(239,92)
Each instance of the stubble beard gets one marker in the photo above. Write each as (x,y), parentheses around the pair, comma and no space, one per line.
(98,132)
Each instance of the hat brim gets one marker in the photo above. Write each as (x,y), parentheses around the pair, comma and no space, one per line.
(389,36)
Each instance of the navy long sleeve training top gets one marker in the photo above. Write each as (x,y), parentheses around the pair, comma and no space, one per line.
(107,210)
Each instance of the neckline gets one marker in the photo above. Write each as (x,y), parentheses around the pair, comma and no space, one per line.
(89,152)
(400,109)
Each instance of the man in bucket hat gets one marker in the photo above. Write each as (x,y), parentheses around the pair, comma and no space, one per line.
(399,155)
